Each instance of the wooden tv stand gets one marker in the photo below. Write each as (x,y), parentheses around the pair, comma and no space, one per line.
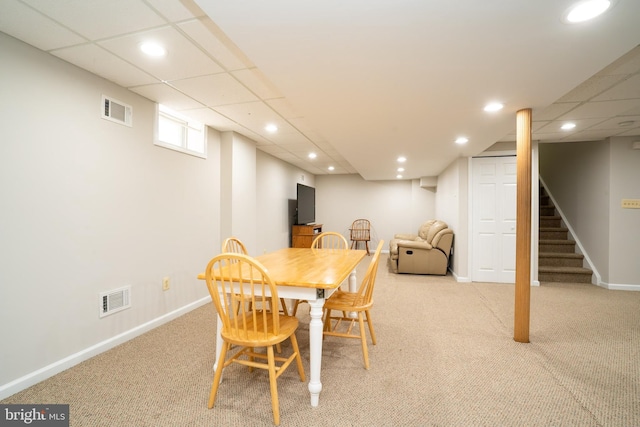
(302,235)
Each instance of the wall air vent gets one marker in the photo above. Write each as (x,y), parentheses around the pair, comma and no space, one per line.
(114,301)
(116,111)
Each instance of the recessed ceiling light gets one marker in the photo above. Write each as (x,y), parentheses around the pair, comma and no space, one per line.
(402,159)
(493,107)
(312,155)
(568,126)
(586,10)
(153,49)
(400,169)
(331,168)
(271,128)
(462,140)
(398,176)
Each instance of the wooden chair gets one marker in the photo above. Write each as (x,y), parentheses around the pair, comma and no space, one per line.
(326,240)
(235,245)
(236,282)
(329,240)
(359,302)
(360,232)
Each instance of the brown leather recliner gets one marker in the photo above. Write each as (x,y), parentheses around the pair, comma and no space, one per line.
(424,253)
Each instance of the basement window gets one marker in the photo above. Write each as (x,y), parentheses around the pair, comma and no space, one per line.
(180,133)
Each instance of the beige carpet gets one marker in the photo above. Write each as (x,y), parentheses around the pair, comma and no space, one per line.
(445,357)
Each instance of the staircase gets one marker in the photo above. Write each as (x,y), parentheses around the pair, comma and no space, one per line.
(557,257)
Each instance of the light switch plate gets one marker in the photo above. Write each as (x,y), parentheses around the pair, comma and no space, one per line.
(631,203)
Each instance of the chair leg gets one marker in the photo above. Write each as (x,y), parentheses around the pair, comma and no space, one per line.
(366,242)
(363,339)
(216,377)
(285,311)
(371,331)
(273,385)
(294,344)
(295,306)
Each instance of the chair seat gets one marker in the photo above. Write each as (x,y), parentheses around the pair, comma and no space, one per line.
(347,301)
(288,325)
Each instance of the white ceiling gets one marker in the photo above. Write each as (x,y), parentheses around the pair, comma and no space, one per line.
(359,82)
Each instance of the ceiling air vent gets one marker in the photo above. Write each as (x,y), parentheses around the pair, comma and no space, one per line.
(114,301)
(116,111)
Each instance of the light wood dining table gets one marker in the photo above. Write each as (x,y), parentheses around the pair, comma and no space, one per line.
(311,275)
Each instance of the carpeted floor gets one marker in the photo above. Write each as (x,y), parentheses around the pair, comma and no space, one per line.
(445,357)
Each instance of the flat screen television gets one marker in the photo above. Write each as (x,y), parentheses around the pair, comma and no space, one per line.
(306,205)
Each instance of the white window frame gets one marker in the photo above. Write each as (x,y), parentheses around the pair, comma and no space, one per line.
(189,127)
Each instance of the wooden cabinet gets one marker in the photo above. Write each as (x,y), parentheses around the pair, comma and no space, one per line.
(302,235)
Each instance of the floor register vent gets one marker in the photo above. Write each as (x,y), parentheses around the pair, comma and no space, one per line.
(114,301)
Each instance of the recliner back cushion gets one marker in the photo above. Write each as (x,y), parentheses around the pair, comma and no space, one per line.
(429,229)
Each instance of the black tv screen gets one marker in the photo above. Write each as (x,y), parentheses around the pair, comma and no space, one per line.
(306,206)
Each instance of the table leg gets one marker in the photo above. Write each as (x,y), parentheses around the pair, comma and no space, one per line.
(219,343)
(353,288)
(315,350)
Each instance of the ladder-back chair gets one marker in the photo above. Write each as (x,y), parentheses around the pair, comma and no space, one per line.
(237,282)
(359,302)
(235,245)
(326,240)
(360,232)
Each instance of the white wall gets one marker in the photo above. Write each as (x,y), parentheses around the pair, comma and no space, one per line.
(88,206)
(452,207)
(276,195)
(391,206)
(624,233)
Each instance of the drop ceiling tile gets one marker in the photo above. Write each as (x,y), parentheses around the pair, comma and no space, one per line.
(627,64)
(253,115)
(588,135)
(215,90)
(627,89)
(103,63)
(600,109)
(19,20)
(116,16)
(213,119)
(204,32)
(631,132)
(554,111)
(175,11)
(592,87)
(171,67)
(614,123)
(165,94)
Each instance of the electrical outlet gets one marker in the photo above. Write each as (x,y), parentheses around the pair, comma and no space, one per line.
(165,284)
(631,203)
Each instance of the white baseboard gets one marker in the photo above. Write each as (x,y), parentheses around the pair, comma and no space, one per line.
(619,287)
(42,374)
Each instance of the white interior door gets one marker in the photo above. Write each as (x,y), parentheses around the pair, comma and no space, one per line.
(493,214)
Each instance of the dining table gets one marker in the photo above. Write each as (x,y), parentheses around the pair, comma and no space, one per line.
(312,275)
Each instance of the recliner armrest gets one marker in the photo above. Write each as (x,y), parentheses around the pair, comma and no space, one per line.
(405,236)
(414,244)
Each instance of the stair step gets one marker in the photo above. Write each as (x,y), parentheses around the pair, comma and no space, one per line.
(547,210)
(553,233)
(550,221)
(560,259)
(565,274)
(565,246)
